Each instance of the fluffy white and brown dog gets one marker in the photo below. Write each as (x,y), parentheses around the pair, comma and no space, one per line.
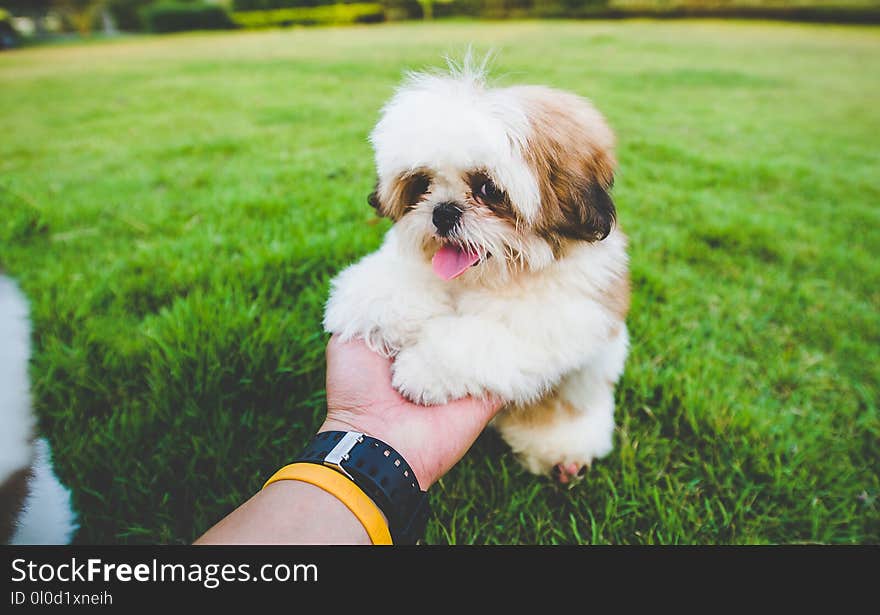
(34,506)
(504,272)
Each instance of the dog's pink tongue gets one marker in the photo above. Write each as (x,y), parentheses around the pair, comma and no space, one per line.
(450,261)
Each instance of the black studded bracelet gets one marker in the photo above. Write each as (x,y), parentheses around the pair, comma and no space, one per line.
(381,472)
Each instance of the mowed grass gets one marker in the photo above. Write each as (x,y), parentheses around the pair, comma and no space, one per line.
(175,207)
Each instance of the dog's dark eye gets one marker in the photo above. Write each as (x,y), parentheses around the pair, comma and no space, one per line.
(415,188)
(420,184)
(488,191)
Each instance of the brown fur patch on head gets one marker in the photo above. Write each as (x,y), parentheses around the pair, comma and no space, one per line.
(393,199)
(571,150)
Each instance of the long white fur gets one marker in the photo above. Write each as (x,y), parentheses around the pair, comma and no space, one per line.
(520,328)
(15,396)
(46,516)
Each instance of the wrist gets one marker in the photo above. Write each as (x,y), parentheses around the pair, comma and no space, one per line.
(340,486)
(426,474)
(377,470)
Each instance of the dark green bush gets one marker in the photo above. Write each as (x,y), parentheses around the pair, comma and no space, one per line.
(127,13)
(403,9)
(268,5)
(316,15)
(179,17)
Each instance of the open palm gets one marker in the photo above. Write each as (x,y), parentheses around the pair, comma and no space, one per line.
(360,398)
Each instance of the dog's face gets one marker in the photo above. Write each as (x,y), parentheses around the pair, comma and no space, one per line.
(485,183)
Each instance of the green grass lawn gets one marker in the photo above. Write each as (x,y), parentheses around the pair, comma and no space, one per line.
(175,207)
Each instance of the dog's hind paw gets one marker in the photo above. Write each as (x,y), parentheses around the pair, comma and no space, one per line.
(569,473)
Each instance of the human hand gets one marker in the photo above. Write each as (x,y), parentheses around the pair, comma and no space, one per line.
(360,397)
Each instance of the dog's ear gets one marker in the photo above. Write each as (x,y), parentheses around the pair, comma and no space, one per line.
(383,206)
(576,200)
(588,211)
(373,199)
(571,152)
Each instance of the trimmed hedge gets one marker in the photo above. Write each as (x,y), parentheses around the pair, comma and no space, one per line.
(815,14)
(317,15)
(180,17)
(826,11)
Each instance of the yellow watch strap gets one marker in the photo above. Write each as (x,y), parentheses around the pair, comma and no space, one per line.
(344,489)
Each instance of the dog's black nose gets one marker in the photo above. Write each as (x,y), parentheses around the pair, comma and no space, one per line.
(446,216)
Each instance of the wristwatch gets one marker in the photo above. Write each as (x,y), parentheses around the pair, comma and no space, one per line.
(381,473)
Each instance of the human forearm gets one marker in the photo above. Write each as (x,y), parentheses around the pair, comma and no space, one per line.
(289,512)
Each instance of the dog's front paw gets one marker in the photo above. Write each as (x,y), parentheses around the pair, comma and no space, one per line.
(418,376)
